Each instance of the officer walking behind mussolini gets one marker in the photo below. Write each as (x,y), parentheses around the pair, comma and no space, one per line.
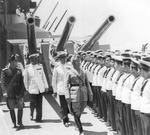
(36,84)
(12,84)
(58,84)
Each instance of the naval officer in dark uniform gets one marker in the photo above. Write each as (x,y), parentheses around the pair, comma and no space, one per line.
(12,84)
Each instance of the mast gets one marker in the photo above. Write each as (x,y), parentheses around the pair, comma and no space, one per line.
(50,15)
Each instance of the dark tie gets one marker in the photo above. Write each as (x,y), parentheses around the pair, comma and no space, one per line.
(135,83)
(142,89)
(125,79)
(119,77)
(106,73)
(113,74)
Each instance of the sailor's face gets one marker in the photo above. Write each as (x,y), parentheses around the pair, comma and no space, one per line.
(34,60)
(63,60)
(115,64)
(107,61)
(14,64)
(112,63)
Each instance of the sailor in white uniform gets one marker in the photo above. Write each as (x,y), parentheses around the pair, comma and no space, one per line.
(135,102)
(58,84)
(36,84)
(145,96)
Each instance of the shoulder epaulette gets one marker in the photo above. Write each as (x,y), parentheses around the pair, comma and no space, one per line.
(4,69)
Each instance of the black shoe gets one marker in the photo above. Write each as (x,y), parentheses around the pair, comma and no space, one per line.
(15,126)
(21,125)
(31,117)
(66,124)
(38,120)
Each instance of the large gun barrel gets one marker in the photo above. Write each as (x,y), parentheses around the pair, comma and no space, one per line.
(98,34)
(66,33)
(31,35)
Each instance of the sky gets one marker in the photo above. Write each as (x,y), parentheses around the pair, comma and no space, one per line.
(130,29)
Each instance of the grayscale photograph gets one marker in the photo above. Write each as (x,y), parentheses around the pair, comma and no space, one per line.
(75,67)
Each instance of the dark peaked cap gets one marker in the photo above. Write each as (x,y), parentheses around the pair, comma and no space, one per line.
(14,57)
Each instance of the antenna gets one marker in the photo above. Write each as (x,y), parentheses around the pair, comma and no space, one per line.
(52,23)
(36,8)
(60,21)
(50,14)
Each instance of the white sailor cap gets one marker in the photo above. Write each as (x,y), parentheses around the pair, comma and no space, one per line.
(34,55)
(61,54)
(135,61)
(117,57)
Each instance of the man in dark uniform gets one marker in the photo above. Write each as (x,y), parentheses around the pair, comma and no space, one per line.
(12,84)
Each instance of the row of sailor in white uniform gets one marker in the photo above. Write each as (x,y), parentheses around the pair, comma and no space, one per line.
(124,86)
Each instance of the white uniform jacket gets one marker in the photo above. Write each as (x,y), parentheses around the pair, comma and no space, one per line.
(108,79)
(136,92)
(58,79)
(145,97)
(100,76)
(126,90)
(34,79)
(114,85)
(85,66)
(119,86)
(89,74)
(95,75)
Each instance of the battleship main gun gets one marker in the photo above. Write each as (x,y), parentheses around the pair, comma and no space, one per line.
(64,37)
(96,36)
(32,45)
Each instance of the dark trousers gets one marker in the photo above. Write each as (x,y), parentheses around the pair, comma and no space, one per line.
(13,103)
(64,107)
(90,104)
(94,95)
(139,124)
(19,116)
(116,115)
(36,103)
(127,119)
(109,103)
(77,109)
(78,122)
(112,112)
(104,105)
(136,122)
(145,119)
(94,103)
(99,96)
(121,125)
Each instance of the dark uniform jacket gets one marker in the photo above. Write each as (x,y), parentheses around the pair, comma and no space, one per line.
(12,83)
(77,87)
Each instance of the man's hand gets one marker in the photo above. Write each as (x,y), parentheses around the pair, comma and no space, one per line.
(55,94)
